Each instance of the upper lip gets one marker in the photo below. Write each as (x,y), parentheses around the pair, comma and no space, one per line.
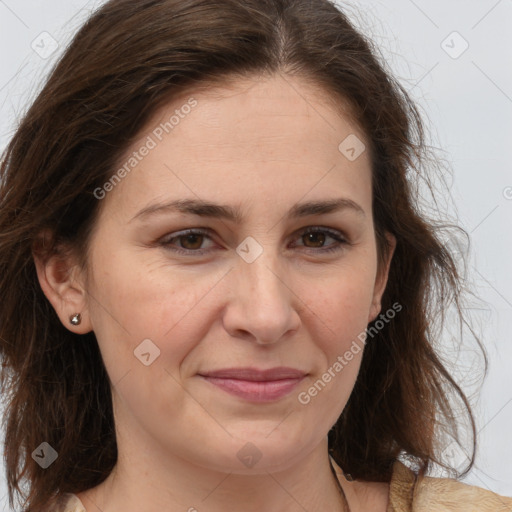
(254,374)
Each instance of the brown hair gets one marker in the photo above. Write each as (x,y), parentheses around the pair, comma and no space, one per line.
(130,58)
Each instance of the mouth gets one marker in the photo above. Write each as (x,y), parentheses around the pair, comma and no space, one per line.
(256,385)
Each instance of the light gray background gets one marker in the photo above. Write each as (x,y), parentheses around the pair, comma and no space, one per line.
(467,101)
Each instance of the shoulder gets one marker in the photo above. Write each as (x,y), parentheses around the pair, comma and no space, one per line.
(440,494)
(69,503)
(413,493)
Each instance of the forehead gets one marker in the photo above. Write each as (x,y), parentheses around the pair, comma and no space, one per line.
(278,136)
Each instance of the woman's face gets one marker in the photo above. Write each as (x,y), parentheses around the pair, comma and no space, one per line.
(271,278)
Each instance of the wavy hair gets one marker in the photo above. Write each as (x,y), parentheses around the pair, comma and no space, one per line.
(130,58)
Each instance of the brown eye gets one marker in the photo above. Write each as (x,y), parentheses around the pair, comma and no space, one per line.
(316,238)
(191,242)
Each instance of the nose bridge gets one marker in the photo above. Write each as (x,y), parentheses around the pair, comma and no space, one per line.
(262,302)
(264,277)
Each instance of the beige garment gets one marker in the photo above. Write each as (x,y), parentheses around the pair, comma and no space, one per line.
(71,504)
(409,493)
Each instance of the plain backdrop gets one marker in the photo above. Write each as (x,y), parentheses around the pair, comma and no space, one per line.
(454,58)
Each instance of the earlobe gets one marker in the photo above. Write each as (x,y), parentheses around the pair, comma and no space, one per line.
(59,279)
(382,279)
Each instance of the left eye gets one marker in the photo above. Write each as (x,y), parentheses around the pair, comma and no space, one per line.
(318,235)
(191,240)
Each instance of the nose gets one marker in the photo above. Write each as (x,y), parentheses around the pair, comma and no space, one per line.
(261,306)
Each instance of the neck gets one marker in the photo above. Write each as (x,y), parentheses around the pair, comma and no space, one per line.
(147,480)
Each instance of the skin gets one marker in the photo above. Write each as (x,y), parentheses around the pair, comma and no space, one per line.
(262,144)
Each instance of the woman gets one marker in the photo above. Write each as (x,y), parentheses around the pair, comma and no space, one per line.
(218,290)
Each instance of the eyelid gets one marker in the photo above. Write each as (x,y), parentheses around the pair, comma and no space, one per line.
(322,229)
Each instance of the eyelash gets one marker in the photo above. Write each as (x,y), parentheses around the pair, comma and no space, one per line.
(336,235)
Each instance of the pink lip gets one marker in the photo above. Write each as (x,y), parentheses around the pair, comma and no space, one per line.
(256,385)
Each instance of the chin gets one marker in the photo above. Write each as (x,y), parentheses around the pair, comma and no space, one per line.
(258,452)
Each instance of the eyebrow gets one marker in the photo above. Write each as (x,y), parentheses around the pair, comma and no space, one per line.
(234,214)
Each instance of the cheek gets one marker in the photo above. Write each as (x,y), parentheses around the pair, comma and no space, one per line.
(159,303)
(342,305)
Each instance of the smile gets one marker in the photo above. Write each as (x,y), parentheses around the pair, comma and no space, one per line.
(256,385)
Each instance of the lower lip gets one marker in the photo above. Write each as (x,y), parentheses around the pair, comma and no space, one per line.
(256,391)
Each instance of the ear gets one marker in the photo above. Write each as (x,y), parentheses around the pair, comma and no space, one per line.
(62,283)
(382,279)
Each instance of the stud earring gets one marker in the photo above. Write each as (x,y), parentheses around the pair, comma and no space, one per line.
(75,319)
